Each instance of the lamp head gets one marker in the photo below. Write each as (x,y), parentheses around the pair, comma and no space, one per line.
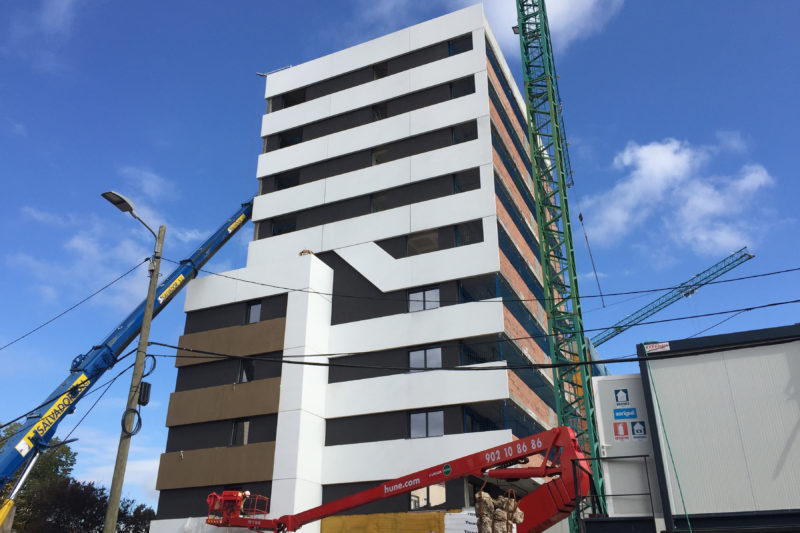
(119,201)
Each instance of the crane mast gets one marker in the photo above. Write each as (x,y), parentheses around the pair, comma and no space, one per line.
(551,175)
(685,289)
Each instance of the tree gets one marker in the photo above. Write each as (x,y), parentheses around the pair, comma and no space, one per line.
(53,465)
(53,501)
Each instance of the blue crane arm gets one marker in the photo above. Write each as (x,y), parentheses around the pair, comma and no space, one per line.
(686,288)
(41,423)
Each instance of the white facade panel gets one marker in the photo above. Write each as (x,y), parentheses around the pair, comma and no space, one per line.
(416,390)
(389,274)
(392,45)
(422,327)
(375,461)
(416,79)
(253,282)
(371,135)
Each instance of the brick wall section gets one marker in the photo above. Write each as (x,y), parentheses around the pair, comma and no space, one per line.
(500,169)
(509,110)
(515,280)
(526,397)
(515,330)
(510,148)
(516,236)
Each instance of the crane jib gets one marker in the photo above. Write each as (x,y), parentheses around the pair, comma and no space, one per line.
(60,407)
(86,369)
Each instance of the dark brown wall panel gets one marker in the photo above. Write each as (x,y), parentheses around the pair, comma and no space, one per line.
(224,402)
(239,464)
(252,339)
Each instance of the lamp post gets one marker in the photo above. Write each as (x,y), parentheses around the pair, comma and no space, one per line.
(126,206)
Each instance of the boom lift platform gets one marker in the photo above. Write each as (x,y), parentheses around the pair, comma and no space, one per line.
(553,454)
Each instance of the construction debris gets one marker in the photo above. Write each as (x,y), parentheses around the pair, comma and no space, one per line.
(497,515)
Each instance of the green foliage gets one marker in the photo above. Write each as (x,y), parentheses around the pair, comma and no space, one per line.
(53,501)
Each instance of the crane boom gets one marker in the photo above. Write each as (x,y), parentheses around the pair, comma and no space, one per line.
(685,289)
(558,458)
(41,423)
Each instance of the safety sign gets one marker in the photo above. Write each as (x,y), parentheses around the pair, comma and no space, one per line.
(622,398)
(621,431)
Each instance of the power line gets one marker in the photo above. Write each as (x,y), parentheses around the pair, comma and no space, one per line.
(537,365)
(585,330)
(715,325)
(104,287)
(204,354)
(94,390)
(383,298)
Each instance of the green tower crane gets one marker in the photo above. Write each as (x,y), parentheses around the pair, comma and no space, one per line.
(687,288)
(551,175)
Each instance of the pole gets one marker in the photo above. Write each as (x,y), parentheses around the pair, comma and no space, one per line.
(115,492)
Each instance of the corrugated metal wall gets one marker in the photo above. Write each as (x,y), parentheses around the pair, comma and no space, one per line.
(733,422)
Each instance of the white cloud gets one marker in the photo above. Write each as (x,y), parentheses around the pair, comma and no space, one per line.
(715,215)
(97,450)
(731,141)
(666,192)
(148,183)
(44,217)
(36,32)
(655,169)
(569,20)
(17,129)
(56,16)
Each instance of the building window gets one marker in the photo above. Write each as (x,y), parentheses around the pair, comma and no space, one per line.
(286,180)
(469,232)
(422,242)
(460,44)
(290,137)
(379,111)
(240,432)
(246,372)
(462,87)
(427,424)
(380,155)
(380,70)
(294,97)
(427,358)
(464,132)
(254,312)
(284,224)
(428,497)
(422,300)
(377,202)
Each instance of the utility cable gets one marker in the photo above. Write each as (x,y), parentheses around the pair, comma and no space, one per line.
(644,322)
(107,387)
(383,298)
(591,258)
(94,390)
(207,354)
(43,324)
(715,325)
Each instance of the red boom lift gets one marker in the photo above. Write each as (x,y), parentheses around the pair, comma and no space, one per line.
(557,450)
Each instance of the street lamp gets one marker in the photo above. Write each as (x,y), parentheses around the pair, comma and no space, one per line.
(114,494)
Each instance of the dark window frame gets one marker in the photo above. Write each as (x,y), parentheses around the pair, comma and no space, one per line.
(426,359)
(421,295)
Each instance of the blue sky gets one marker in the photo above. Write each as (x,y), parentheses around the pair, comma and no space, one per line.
(681,116)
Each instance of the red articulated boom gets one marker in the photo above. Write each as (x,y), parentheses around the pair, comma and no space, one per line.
(548,504)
